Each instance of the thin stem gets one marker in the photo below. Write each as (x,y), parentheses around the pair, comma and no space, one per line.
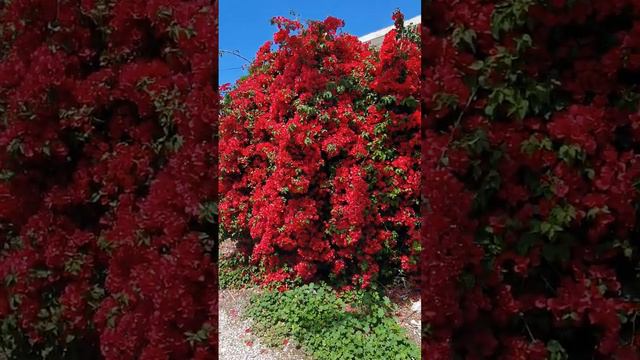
(457,123)
(235,53)
(233,68)
(526,326)
(633,325)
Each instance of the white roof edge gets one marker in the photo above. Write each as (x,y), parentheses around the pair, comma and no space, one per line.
(376,34)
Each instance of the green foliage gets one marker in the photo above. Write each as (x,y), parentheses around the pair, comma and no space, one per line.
(464,37)
(14,343)
(235,272)
(209,211)
(354,325)
(410,32)
(533,144)
(515,93)
(572,154)
(509,15)
(556,351)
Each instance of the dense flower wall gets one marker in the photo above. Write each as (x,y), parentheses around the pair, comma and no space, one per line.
(107,161)
(531,174)
(319,155)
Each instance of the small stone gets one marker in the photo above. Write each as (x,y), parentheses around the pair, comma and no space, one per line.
(416,306)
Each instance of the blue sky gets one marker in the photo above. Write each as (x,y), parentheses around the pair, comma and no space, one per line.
(245,24)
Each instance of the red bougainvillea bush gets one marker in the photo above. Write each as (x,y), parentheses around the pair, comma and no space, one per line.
(107,114)
(319,155)
(531,173)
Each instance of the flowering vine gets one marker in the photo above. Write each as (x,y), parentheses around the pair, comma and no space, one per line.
(319,155)
(107,158)
(531,111)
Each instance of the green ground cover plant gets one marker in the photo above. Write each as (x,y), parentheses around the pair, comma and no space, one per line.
(331,325)
(235,272)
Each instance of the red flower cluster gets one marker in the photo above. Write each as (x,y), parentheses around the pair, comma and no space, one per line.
(319,155)
(107,116)
(531,172)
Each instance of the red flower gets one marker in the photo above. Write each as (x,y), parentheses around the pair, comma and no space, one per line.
(300,180)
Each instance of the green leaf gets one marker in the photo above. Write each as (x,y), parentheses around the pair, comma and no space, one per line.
(556,351)
(477,65)
(411,103)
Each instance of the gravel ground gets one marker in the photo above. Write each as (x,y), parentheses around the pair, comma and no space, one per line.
(408,313)
(236,342)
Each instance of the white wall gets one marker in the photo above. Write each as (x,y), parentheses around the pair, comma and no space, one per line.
(375,38)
